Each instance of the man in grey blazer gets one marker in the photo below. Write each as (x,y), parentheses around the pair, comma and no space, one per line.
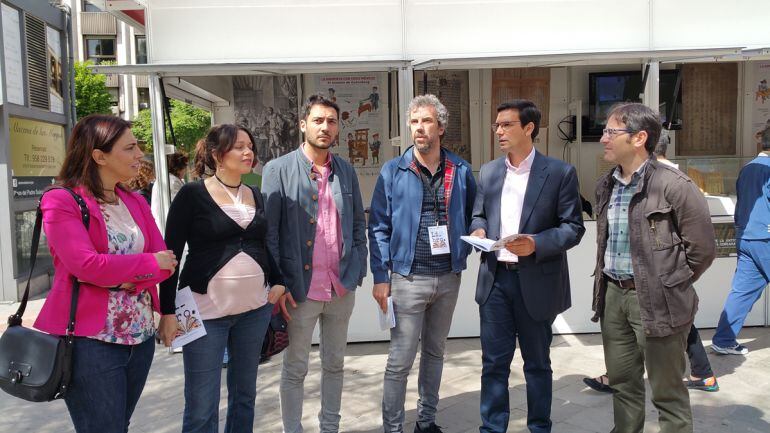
(312,198)
(522,288)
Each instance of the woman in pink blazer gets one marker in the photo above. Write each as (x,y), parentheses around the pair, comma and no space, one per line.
(119,260)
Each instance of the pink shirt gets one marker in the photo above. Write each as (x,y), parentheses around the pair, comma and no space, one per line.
(512,200)
(328,240)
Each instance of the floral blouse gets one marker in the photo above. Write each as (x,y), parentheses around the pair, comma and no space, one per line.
(129,313)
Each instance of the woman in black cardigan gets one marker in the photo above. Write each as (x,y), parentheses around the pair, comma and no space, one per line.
(233,279)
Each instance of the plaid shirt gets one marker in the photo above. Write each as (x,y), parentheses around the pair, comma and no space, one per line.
(617,256)
(434,205)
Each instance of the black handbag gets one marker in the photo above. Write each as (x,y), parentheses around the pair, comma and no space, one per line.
(36,366)
(277,336)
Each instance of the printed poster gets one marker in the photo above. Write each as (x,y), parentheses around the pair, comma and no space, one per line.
(267,106)
(760,124)
(362,132)
(55,74)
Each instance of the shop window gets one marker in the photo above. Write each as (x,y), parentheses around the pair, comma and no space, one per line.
(143,97)
(90,7)
(25,223)
(141,50)
(100,50)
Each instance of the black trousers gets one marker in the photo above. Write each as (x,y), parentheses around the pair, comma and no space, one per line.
(700,366)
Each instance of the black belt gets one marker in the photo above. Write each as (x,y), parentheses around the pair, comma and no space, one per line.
(511,266)
(623,284)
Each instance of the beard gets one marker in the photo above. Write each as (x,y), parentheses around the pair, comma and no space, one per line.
(314,143)
(425,147)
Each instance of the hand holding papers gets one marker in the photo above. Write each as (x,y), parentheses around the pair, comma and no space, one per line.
(387,319)
(488,245)
(189,322)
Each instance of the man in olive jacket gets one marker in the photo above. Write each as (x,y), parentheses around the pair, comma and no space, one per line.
(655,239)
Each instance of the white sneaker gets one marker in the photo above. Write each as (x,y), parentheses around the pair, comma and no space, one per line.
(732,350)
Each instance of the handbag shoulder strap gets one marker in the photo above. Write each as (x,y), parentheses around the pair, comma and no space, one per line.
(15,319)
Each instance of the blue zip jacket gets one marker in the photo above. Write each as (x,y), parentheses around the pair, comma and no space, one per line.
(752,211)
(394,216)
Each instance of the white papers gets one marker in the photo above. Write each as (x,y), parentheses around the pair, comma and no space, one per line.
(387,319)
(189,324)
(488,245)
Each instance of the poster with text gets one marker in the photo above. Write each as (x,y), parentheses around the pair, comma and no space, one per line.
(360,99)
(37,154)
(760,124)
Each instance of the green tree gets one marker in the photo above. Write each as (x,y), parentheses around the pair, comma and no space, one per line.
(190,125)
(91,95)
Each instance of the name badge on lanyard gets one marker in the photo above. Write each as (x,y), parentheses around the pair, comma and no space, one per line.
(439,239)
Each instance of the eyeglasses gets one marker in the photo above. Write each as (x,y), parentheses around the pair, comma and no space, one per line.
(611,132)
(505,125)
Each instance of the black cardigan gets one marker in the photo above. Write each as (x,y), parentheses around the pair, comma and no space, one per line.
(213,238)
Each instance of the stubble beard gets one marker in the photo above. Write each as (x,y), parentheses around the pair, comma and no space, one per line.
(314,143)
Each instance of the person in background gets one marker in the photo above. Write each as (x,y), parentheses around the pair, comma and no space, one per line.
(143,182)
(118,260)
(752,236)
(176,164)
(234,280)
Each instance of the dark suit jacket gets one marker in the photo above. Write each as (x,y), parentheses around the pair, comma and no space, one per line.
(552,213)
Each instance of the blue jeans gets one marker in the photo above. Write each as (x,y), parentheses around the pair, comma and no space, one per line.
(107,380)
(242,334)
(752,274)
(504,317)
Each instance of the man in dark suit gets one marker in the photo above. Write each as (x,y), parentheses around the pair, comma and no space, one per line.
(523,287)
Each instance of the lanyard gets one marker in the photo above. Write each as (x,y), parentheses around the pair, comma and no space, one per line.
(429,182)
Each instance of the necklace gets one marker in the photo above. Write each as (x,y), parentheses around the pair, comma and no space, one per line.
(229,186)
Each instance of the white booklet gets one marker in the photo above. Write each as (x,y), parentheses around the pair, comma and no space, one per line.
(189,324)
(387,319)
(488,245)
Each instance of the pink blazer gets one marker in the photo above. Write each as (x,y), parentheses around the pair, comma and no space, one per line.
(83,254)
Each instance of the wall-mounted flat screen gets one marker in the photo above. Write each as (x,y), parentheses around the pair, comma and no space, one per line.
(605,89)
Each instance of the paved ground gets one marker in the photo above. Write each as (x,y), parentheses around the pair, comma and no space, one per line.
(742,404)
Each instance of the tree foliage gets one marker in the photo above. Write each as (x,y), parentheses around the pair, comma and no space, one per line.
(190,124)
(91,94)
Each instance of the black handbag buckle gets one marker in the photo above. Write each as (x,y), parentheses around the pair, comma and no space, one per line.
(19,371)
(14,320)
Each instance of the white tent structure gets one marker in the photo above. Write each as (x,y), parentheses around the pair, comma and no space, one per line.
(195,47)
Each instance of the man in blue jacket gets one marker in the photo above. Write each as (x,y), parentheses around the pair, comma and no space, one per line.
(421,206)
(752,235)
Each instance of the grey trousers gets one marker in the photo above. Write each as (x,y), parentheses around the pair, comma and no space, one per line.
(423,306)
(334,317)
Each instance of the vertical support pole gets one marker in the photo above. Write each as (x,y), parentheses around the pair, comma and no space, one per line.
(159,148)
(652,87)
(405,95)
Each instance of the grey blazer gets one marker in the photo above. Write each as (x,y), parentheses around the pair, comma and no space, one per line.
(290,208)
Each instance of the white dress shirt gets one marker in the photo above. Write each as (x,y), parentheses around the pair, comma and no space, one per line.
(512,200)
